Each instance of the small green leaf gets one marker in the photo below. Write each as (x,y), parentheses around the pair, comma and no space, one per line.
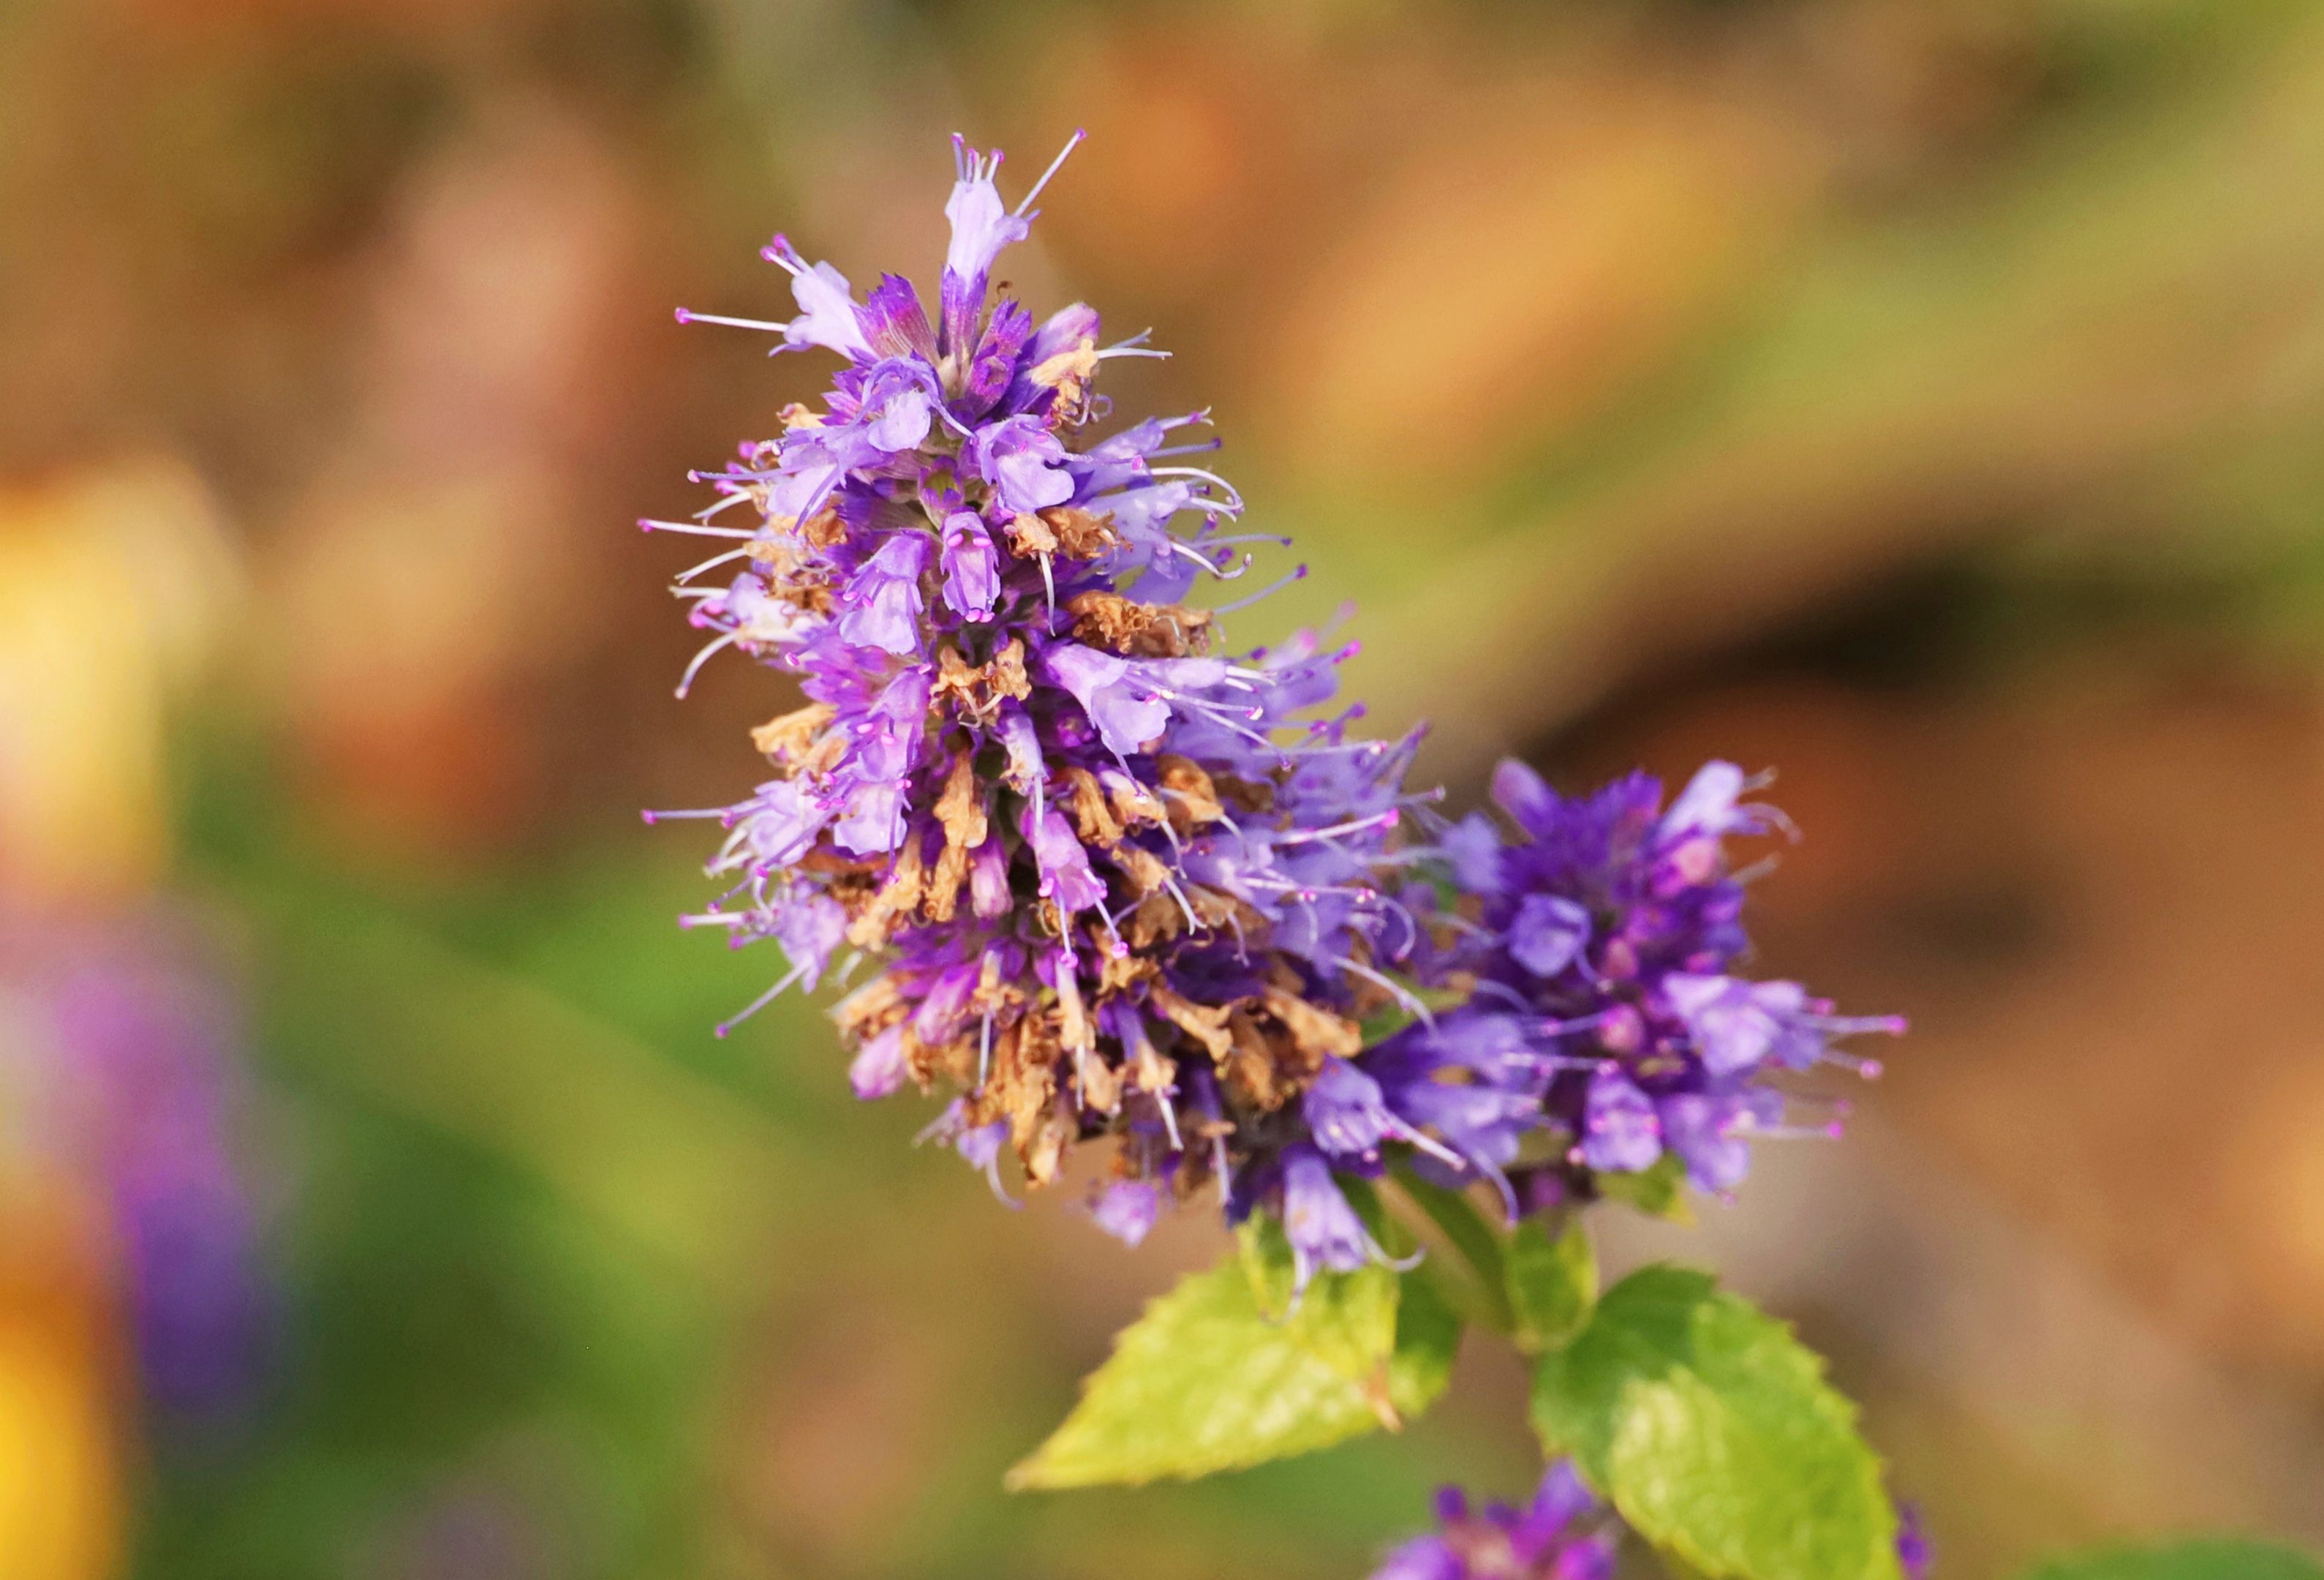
(1660,1190)
(2212,1559)
(1206,1381)
(1714,1431)
(1553,1284)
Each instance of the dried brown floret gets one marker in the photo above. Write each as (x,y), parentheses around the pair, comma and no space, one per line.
(960,809)
(1264,1069)
(788,739)
(1068,373)
(1143,868)
(942,901)
(1246,795)
(1315,1030)
(976,689)
(1144,630)
(1092,817)
(1029,536)
(1136,806)
(869,1010)
(1193,799)
(1100,1082)
(1203,1022)
(824,528)
(1081,534)
(898,898)
(1157,917)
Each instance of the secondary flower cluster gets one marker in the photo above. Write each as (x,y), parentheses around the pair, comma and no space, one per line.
(1563,1534)
(1596,939)
(1117,883)
(1120,882)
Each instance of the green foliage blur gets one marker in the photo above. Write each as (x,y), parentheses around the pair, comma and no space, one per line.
(1921,395)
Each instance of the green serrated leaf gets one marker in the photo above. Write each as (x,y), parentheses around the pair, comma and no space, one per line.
(1553,1284)
(1206,1381)
(2213,1559)
(1714,1431)
(1659,1191)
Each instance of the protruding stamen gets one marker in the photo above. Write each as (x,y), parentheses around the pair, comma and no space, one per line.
(761,1002)
(1297,573)
(686,317)
(1025,204)
(686,681)
(692,529)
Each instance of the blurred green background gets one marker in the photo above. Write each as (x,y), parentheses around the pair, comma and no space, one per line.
(1920,396)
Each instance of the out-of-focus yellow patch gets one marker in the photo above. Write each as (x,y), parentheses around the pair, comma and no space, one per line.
(60,1492)
(113,583)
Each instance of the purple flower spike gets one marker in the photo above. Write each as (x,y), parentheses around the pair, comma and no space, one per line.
(1605,931)
(1106,880)
(1565,1534)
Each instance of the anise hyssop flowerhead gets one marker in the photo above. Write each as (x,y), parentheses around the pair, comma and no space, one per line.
(1115,877)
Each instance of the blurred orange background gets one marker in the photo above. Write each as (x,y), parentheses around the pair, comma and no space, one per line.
(1921,397)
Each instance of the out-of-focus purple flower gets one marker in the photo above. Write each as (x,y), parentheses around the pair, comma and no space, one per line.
(1346,1112)
(1736,1023)
(1547,932)
(125,1064)
(1915,1554)
(879,1068)
(1127,1208)
(1619,1130)
(1565,1533)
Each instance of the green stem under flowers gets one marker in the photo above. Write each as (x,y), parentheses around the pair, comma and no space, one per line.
(1461,1227)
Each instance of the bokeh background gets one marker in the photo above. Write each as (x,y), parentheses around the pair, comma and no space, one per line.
(1922,397)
